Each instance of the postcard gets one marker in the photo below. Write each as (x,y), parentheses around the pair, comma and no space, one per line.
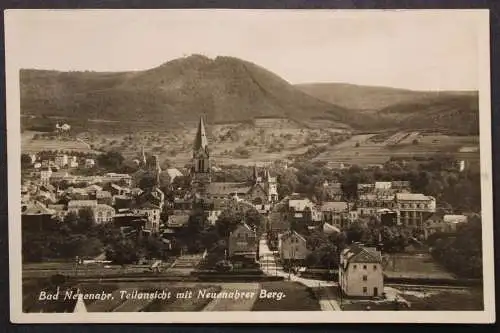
(249,166)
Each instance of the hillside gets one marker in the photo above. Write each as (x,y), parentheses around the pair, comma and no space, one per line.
(454,114)
(369,98)
(224,89)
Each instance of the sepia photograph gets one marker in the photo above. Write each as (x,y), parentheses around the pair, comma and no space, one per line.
(279,166)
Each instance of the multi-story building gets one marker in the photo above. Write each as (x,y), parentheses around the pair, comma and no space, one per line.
(103,213)
(414,209)
(75,206)
(369,204)
(360,272)
(243,242)
(61,160)
(336,213)
(292,247)
(152,212)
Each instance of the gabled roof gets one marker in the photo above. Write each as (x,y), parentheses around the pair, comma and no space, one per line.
(330,229)
(82,203)
(412,196)
(359,254)
(291,233)
(146,205)
(220,188)
(243,226)
(36,208)
(334,206)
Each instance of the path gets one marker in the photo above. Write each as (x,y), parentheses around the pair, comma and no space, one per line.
(185,264)
(323,289)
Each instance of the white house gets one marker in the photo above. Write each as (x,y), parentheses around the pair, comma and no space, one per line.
(292,246)
(152,213)
(45,174)
(103,213)
(360,272)
(89,163)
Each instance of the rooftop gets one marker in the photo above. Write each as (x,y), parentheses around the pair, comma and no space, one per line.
(412,196)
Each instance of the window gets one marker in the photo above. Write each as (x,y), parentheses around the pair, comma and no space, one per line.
(364,266)
(354,266)
(365,277)
(374,267)
(365,290)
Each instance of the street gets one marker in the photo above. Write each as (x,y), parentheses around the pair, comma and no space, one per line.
(324,290)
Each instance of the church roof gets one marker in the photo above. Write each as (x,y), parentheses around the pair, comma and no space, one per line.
(222,188)
(201,141)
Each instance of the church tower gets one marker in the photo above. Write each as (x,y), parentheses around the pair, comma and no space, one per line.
(200,169)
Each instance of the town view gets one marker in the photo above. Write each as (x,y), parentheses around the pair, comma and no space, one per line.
(211,211)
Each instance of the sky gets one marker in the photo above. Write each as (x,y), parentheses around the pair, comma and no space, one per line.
(419,50)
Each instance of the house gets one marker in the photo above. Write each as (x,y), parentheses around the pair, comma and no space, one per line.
(365,189)
(382,186)
(104,197)
(178,220)
(330,229)
(414,209)
(360,272)
(292,247)
(75,206)
(60,176)
(61,160)
(151,212)
(103,213)
(35,216)
(401,186)
(111,177)
(89,163)
(332,191)
(368,204)
(118,190)
(45,174)
(173,173)
(447,223)
(60,211)
(335,213)
(243,243)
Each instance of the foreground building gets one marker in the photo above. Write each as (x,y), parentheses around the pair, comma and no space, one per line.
(243,243)
(292,247)
(360,272)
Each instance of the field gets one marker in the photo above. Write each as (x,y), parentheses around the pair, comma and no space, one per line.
(243,143)
(31,145)
(180,296)
(467,299)
(415,266)
(424,299)
(366,149)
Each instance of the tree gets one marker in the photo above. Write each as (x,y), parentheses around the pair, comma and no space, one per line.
(111,160)
(147,182)
(122,252)
(25,160)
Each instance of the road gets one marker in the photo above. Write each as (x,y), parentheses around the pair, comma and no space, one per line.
(324,290)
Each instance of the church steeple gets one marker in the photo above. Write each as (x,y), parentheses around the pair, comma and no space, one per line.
(201,160)
(200,141)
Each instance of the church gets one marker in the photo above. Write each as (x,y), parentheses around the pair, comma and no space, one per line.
(261,191)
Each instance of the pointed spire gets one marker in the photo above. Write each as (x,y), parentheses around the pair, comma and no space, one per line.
(255,172)
(201,141)
(143,156)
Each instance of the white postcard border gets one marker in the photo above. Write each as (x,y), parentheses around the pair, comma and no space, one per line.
(14,216)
